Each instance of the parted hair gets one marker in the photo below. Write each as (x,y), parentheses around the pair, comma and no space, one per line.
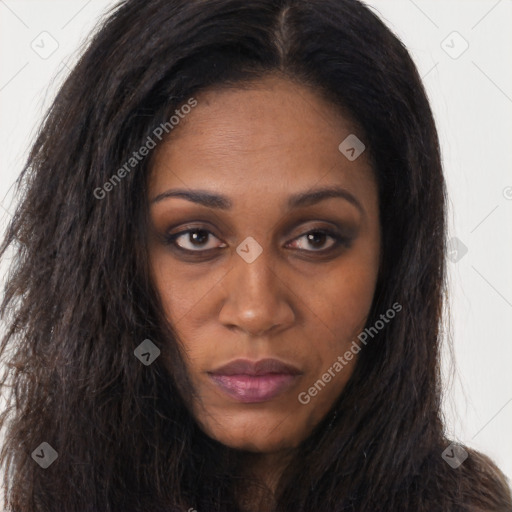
(78,298)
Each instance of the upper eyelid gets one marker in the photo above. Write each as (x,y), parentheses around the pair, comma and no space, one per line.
(204,225)
(328,231)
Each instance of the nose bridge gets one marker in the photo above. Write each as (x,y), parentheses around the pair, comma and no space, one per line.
(257,278)
(255,299)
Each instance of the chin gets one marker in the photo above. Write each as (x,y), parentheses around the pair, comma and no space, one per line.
(261,444)
(264,435)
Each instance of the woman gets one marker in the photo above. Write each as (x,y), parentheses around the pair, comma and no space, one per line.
(229,272)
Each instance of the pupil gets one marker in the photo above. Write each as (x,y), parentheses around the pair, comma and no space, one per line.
(201,238)
(313,237)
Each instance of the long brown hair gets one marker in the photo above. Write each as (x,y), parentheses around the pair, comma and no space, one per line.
(78,299)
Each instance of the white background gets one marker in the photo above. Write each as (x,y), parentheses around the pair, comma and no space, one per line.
(471,97)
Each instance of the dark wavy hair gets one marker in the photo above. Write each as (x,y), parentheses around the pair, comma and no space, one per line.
(78,299)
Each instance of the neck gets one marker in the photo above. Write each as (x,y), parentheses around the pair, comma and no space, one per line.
(265,469)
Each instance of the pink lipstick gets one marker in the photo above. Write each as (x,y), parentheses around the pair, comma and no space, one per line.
(253,382)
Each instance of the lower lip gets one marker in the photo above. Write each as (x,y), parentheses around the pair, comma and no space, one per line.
(254,388)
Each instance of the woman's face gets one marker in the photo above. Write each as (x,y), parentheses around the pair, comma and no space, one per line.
(252,263)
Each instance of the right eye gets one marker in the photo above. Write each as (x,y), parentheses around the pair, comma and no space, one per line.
(195,238)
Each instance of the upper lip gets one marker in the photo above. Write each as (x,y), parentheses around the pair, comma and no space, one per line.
(261,367)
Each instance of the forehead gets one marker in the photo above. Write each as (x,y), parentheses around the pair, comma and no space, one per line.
(269,135)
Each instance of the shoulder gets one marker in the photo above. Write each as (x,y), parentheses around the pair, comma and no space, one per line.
(481,486)
(473,484)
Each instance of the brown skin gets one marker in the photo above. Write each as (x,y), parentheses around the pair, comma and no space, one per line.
(258,146)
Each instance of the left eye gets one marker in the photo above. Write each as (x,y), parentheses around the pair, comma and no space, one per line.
(198,238)
(317,238)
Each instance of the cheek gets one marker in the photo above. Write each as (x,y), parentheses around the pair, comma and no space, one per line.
(344,296)
(339,307)
(344,307)
(183,289)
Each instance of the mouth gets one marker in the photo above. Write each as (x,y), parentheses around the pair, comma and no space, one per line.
(254,382)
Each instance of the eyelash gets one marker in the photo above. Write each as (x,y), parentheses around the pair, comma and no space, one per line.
(339,240)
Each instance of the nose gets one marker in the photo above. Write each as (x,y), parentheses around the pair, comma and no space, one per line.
(257,299)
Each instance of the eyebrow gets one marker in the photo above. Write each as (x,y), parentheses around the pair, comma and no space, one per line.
(302,199)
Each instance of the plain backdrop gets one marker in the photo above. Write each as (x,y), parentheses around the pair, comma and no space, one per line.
(463,50)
